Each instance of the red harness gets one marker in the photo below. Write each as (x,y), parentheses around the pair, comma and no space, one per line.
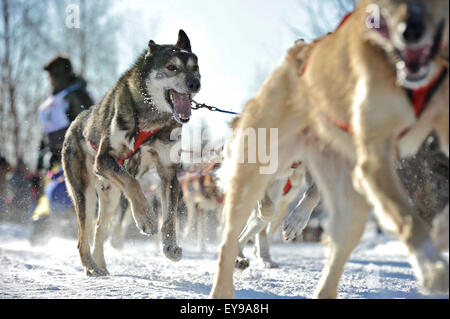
(288,185)
(419,98)
(141,138)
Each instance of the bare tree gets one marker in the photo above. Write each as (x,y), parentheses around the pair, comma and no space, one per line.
(93,47)
(32,32)
(323,17)
(18,78)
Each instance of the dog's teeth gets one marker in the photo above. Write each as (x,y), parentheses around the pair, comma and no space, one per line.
(401,65)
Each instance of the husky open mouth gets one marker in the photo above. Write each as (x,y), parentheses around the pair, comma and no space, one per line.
(180,104)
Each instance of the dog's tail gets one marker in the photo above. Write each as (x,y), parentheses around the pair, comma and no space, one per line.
(75,174)
(72,163)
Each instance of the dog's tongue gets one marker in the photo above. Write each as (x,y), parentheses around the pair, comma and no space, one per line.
(416,58)
(181,104)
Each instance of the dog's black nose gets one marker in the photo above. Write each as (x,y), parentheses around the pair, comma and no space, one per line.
(415,29)
(193,85)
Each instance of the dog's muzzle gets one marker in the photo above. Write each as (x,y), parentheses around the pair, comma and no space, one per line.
(415,62)
(414,57)
(181,105)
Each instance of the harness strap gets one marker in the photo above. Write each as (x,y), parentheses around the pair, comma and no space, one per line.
(296,164)
(287,187)
(142,137)
(419,98)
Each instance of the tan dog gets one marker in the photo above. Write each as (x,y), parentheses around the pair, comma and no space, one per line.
(340,106)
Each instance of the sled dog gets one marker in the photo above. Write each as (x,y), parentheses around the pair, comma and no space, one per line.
(138,116)
(346,105)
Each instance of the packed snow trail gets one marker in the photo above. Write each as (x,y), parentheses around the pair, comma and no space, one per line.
(378,268)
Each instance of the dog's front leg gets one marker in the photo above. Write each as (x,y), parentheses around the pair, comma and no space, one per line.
(108,167)
(170,191)
(375,177)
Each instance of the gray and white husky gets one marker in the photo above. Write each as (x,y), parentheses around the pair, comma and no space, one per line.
(129,132)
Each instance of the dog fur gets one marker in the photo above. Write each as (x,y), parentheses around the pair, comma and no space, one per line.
(266,218)
(352,76)
(153,94)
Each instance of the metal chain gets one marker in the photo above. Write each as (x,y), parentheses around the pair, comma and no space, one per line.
(197,106)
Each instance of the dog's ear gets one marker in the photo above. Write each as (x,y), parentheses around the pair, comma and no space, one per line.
(183,41)
(151,47)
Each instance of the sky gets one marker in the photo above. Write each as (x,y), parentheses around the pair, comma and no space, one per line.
(237,42)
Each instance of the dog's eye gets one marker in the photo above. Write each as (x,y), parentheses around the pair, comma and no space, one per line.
(195,68)
(171,67)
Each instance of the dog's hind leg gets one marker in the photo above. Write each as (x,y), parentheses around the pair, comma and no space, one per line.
(123,221)
(262,246)
(264,238)
(254,225)
(258,222)
(108,197)
(86,206)
(80,186)
(246,187)
(348,212)
(169,202)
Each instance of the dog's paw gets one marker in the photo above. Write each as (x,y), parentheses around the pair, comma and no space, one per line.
(172,251)
(221,292)
(95,271)
(440,230)
(144,219)
(294,224)
(436,280)
(431,270)
(269,264)
(242,263)
(289,230)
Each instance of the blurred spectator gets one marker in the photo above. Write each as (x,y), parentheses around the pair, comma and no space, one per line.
(69,98)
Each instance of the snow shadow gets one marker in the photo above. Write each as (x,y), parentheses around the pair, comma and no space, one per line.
(381,263)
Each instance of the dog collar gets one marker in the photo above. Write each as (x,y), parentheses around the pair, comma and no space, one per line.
(140,139)
(421,97)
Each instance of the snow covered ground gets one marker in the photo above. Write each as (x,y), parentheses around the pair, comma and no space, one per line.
(378,268)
